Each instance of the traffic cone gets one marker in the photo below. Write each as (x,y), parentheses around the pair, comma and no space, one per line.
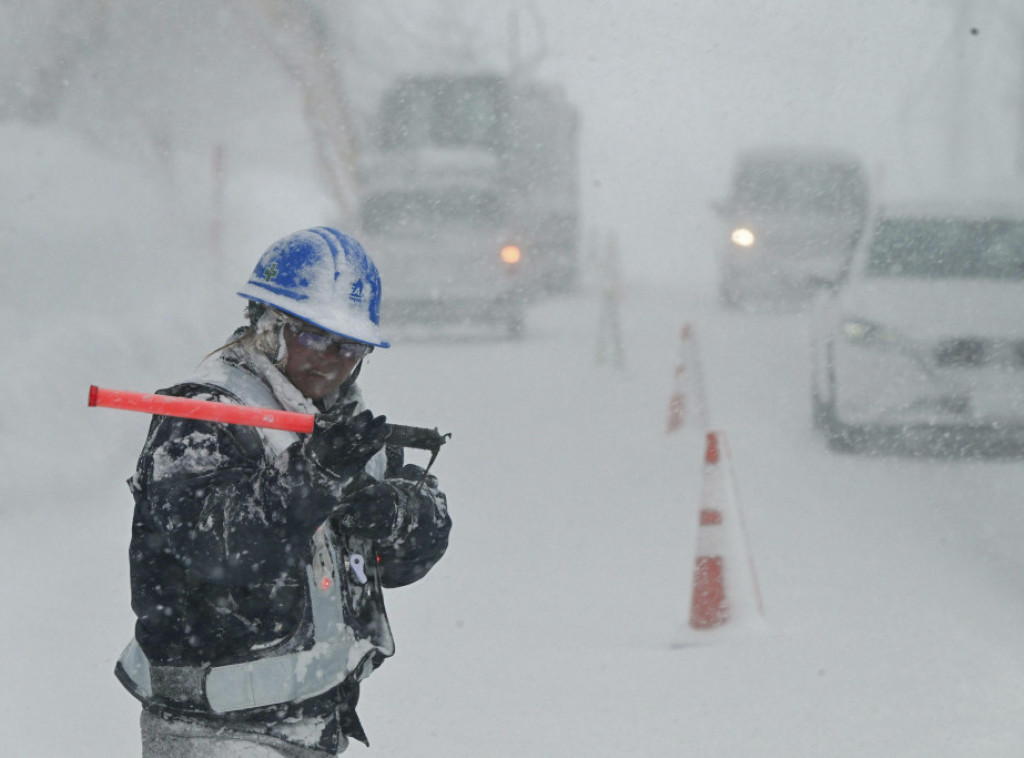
(688,382)
(676,405)
(725,597)
(709,607)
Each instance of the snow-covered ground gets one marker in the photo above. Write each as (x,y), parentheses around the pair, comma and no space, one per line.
(891,586)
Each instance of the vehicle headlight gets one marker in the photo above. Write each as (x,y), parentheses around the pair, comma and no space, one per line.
(865,332)
(511,254)
(742,237)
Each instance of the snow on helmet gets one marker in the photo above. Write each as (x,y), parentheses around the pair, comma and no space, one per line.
(323,277)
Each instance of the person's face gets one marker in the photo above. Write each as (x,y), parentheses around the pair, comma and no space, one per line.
(318,363)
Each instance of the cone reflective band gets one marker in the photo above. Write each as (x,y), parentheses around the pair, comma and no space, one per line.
(204,410)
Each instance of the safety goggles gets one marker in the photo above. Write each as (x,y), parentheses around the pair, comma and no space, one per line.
(321,342)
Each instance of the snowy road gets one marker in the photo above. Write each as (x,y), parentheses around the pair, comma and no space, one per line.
(892,586)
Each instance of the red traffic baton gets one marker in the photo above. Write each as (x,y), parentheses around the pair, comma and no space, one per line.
(204,410)
(247,415)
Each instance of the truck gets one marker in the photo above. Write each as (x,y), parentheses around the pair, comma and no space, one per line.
(470,197)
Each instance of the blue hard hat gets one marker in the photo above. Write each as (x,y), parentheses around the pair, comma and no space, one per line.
(323,277)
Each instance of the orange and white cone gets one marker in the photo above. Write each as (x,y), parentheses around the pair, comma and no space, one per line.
(725,598)
(676,404)
(709,605)
(688,381)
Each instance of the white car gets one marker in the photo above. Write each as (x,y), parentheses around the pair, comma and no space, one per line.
(923,341)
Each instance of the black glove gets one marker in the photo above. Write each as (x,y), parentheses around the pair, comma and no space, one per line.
(341,443)
(371,511)
(417,474)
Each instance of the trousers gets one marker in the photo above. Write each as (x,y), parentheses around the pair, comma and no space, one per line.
(174,738)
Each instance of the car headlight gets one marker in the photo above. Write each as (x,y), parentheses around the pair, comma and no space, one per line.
(864,332)
(859,331)
(742,237)
(511,254)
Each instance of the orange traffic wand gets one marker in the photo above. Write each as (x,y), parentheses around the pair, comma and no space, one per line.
(247,415)
(205,410)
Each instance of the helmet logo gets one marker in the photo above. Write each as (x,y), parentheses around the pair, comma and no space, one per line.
(270,272)
(356,295)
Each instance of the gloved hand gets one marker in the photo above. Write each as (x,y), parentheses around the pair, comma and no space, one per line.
(371,511)
(341,443)
(413,473)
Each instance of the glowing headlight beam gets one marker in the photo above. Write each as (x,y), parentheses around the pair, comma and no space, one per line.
(743,237)
(511,254)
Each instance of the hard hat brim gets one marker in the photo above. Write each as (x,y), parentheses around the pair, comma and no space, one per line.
(352,326)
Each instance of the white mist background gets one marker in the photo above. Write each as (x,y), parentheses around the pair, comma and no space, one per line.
(891,586)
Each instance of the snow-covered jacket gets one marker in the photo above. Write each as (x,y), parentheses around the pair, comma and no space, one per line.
(254,605)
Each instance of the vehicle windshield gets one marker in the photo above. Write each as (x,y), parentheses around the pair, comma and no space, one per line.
(404,212)
(785,186)
(443,113)
(936,248)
